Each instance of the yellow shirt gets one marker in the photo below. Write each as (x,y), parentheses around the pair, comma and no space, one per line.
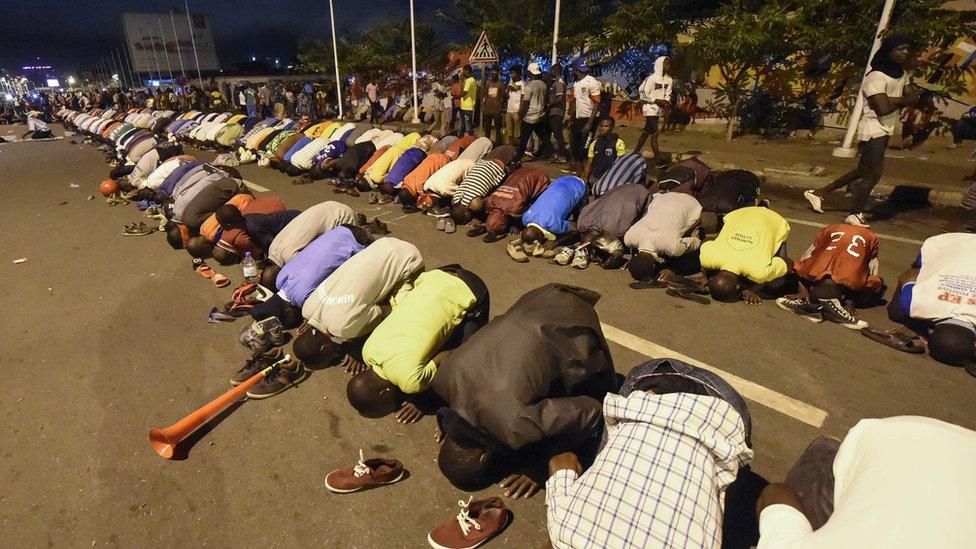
(747,245)
(469,94)
(400,349)
(378,169)
(620,146)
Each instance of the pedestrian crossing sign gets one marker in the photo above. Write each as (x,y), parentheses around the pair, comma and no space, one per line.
(484,51)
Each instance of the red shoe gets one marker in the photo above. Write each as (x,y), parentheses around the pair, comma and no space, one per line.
(478,522)
(368,473)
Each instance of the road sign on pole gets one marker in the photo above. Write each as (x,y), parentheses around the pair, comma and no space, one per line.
(484,51)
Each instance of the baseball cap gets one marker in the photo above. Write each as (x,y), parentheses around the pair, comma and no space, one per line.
(581,66)
(533,68)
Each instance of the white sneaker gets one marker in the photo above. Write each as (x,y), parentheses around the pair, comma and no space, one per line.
(857,220)
(815,201)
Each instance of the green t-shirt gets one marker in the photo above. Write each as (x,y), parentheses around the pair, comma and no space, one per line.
(400,349)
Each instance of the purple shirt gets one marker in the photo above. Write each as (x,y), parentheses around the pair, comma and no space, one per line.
(300,276)
(410,159)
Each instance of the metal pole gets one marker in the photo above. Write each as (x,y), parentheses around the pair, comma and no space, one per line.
(115,70)
(179,50)
(169,66)
(413,53)
(130,66)
(189,24)
(555,32)
(122,79)
(335,56)
(152,42)
(845,150)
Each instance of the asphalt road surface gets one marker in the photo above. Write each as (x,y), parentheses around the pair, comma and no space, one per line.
(105,336)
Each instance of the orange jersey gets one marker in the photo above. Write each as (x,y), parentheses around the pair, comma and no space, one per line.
(844,253)
(414,181)
(376,156)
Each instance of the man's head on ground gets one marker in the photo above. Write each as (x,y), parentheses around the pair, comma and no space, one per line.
(316,348)
(174,236)
(533,234)
(229,217)
(199,247)
(466,467)
(373,396)
(387,188)
(953,344)
(460,214)
(269,277)
(606,125)
(406,198)
(724,286)
(643,267)
(375,228)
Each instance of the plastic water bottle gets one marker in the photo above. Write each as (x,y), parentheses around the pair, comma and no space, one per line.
(250,268)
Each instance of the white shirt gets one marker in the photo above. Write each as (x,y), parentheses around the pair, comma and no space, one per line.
(655,87)
(371,91)
(902,482)
(582,90)
(447,179)
(946,283)
(871,125)
(514,96)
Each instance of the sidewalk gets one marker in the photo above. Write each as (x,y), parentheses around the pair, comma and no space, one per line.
(931,173)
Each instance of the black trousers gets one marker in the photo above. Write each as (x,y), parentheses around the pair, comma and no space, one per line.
(862,179)
(493,120)
(528,128)
(578,140)
(556,127)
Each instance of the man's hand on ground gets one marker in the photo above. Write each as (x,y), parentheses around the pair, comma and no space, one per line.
(408,413)
(438,434)
(565,460)
(519,486)
(352,366)
(751,297)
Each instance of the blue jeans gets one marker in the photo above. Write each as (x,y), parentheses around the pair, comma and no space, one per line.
(467,123)
(658,374)
(252,111)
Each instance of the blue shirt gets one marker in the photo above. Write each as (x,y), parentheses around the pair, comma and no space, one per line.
(300,276)
(332,150)
(551,210)
(410,159)
(169,184)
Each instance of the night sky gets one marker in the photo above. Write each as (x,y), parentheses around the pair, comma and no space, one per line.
(70,35)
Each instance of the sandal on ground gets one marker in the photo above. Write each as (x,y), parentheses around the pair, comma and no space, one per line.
(206,271)
(648,284)
(140,229)
(896,340)
(687,295)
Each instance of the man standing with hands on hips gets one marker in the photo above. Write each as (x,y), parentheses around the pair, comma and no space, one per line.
(885,94)
(586,99)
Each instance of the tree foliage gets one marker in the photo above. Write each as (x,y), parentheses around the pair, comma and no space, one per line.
(384,48)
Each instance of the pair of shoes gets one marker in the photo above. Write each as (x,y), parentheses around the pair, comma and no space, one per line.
(564,256)
(116,200)
(445,224)
(140,229)
(581,259)
(439,211)
(801,307)
(856,219)
(384,199)
(516,251)
(257,363)
(284,374)
(478,522)
(830,310)
(372,198)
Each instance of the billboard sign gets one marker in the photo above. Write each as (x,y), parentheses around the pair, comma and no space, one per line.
(142,35)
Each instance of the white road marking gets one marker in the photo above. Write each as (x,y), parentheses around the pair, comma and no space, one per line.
(769,398)
(879,235)
(394,219)
(256,187)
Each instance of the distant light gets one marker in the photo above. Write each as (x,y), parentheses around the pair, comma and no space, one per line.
(53,83)
(36,67)
(9,97)
(253,58)
(115,77)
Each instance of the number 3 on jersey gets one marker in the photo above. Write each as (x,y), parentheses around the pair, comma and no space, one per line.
(855,241)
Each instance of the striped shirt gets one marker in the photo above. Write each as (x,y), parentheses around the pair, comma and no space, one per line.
(483,178)
(660,479)
(630,168)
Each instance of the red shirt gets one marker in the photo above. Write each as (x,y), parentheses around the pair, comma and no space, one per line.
(844,253)
(518,189)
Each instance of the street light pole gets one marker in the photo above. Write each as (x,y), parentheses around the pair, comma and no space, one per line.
(413,53)
(555,32)
(162,36)
(193,41)
(335,56)
(179,50)
(845,150)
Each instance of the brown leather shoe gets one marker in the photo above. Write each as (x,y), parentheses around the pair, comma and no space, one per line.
(478,522)
(365,474)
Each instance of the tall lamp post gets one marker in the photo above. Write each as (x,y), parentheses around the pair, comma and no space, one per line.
(413,53)
(335,56)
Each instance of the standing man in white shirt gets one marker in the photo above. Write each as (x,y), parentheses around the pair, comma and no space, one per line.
(655,98)
(885,95)
(898,483)
(439,109)
(372,91)
(513,103)
(586,101)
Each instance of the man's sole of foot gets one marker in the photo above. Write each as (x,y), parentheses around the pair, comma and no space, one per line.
(361,488)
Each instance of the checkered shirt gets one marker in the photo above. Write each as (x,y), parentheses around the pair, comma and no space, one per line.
(659,481)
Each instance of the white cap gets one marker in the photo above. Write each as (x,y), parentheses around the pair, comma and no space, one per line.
(533,68)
